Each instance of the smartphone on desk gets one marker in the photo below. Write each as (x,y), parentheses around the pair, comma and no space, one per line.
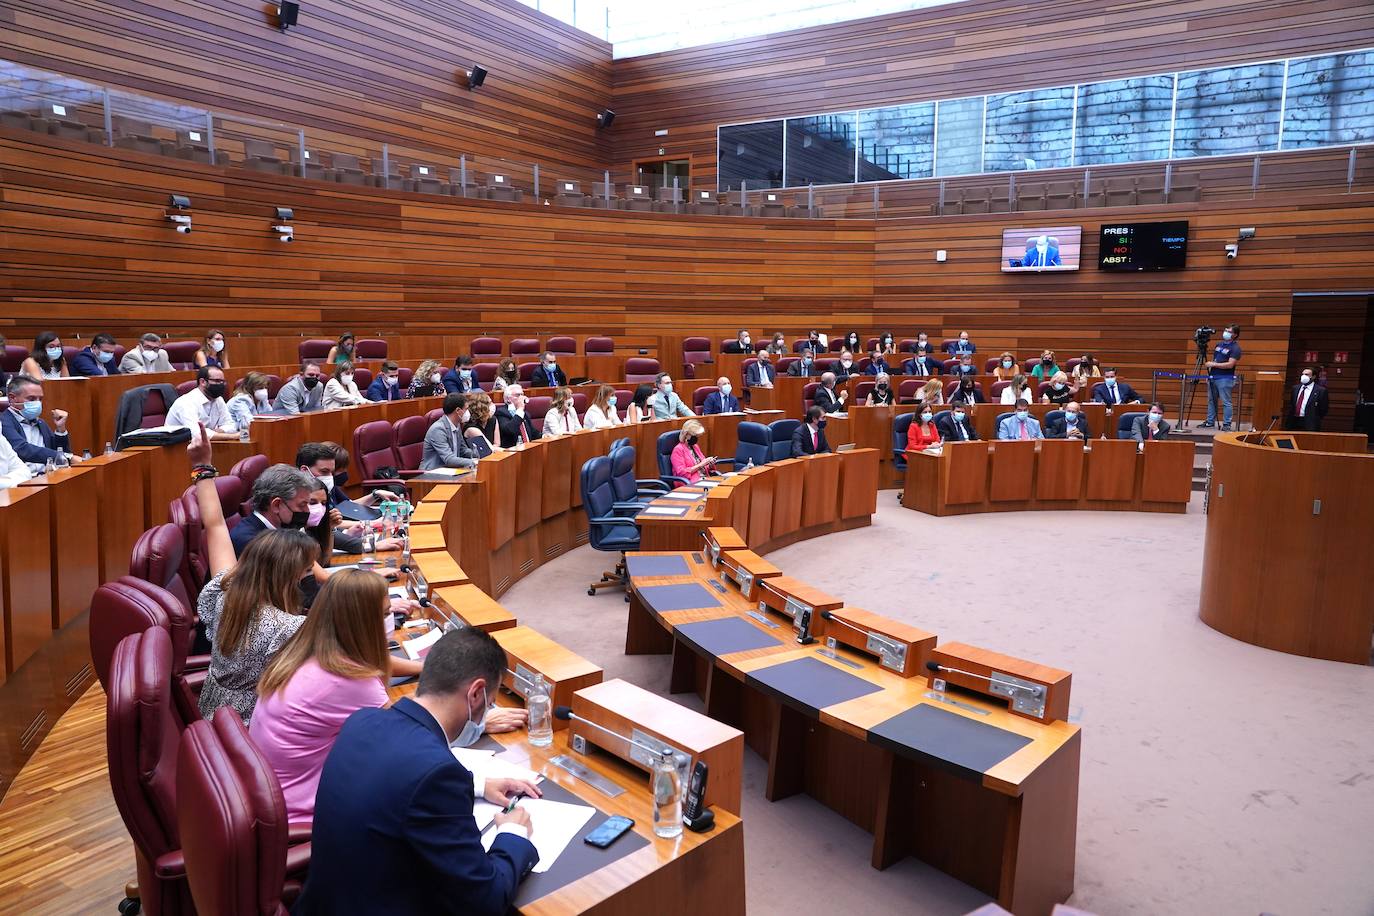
(609,831)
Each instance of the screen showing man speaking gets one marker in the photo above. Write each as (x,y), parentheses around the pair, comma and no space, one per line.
(1040,249)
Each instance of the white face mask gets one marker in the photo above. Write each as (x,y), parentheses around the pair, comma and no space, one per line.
(327,481)
(1070,415)
(1058,386)
(726,389)
(390,380)
(436,378)
(846,363)
(744,339)
(667,387)
(467,415)
(958,416)
(1306,379)
(1156,417)
(925,417)
(346,378)
(150,355)
(217,345)
(260,395)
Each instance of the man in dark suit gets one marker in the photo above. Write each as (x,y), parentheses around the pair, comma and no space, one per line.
(804,366)
(845,368)
(547,374)
(741,344)
(281,499)
(722,400)
(512,420)
(1071,424)
(394,830)
(956,424)
(762,373)
(827,398)
(921,364)
(809,439)
(32,439)
(877,364)
(1306,407)
(1113,390)
(97,359)
(968,392)
(462,378)
(1151,427)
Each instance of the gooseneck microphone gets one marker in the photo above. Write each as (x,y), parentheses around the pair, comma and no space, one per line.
(566,714)
(1272,420)
(1034,690)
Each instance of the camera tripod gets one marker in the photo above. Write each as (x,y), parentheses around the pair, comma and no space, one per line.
(1187,405)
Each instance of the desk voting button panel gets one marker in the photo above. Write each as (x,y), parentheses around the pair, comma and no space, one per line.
(810,683)
(947,739)
(725,636)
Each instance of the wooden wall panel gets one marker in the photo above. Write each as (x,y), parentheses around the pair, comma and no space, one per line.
(378,69)
(959,49)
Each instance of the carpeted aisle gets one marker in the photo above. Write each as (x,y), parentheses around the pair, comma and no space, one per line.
(1218,778)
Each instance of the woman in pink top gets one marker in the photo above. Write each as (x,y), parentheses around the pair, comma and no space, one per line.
(687,460)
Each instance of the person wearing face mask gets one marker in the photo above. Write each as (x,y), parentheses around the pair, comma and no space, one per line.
(1059,390)
(882,394)
(877,363)
(341,352)
(548,374)
(507,373)
(303,393)
(249,400)
(462,378)
(809,439)
(851,342)
(96,360)
(778,347)
(387,385)
(1018,389)
(1221,377)
(561,418)
(602,411)
(427,381)
(761,373)
(722,400)
(743,343)
(845,369)
(887,345)
(827,397)
(1114,390)
(1306,407)
(394,800)
(204,404)
(1020,424)
(25,430)
(46,360)
(665,403)
(1071,424)
(148,356)
(341,390)
(513,420)
(1151,427)
(687,459)
(1046,368)
(1006,367)
(923,345)
(804,365)
(956,424)
(281,500)
(922,364)
(966,368)
(445,445)
(213,351)
(480,429)
(321,461)
(923,434)
(960,345)
(1086,369)
(968,392)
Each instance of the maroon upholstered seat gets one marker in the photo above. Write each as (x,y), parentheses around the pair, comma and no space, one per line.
(433,417)
(862,390)
(159,557)
(562,346)
(1028,364)
(374,447)
(996,393)
(536,408)
(700,395)
(314,349)
(362,378)
(524,346)
(947,344)
(525,372)
(154,409)
(274,383)
(182,353)
(130,605)
(951,386)
(485,373)
(410,442)
(809,394)
(142,736)
(785,363)
(186,386)
(907,388)
(247,470)
(485,346)
(991,363)
(908,345)
(950,365)
(696,350)
(13,358)
(404,376)
(233,818)
(580,402)
(641,369)
(231,499)
(370,348)
(598,345)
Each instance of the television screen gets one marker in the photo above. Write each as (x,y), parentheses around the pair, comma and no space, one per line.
(1046,248)
(1144,246)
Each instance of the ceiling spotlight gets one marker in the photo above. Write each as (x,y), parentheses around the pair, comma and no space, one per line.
(605,118)
(285,214)
(475,76)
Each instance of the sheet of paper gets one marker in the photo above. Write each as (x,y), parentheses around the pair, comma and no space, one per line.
(678,494)
(488,766)
(418,647)
(665,510)
(448,472)
(553,826)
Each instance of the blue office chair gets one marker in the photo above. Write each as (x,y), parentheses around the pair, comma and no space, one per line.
(939,417)
(619,443)
(997,424)
(781,432)
(1123,425)
(610,529)
(901,427)
(631,492)
(755,444)
(1052,415)
(666,443)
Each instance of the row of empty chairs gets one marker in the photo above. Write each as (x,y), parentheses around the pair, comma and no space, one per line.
(1117,191)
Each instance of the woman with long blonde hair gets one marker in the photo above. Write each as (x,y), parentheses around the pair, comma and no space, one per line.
(428,380)
(562,416)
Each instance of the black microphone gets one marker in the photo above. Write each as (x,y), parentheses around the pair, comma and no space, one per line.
(566,714)
(1272,420)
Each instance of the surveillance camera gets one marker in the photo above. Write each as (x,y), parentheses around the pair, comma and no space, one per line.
(285,238)
(284,233)
(1247,233)
(1232,251)
(184,229)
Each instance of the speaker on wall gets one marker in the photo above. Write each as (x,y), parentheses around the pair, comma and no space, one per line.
(605,118)
(474,77)
(288,11)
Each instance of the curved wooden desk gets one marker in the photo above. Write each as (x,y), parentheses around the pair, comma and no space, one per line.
(1289,549)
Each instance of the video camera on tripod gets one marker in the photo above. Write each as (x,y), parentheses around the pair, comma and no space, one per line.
(1203,335)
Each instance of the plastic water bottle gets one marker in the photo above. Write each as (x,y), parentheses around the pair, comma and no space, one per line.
(540,707)
(750,464)
(86,455)
(109,448)
(50,466)
(666,786)
(244,433)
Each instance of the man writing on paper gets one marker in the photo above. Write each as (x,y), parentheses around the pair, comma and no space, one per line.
(393,829)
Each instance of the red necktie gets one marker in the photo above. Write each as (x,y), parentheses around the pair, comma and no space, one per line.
(524,433)
(815,440)
(1302,401)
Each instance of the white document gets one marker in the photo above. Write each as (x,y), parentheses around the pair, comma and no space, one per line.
(417,647)
(487,765)
(678,494)
(665,510)
(553,825)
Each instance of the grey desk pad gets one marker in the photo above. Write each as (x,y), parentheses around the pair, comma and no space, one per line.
(729,634)
(946,738)
(403,679)
(810,684)
(578,859)
(657,566)
(664,598)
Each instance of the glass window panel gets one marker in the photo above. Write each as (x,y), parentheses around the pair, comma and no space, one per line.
(959,136)
(820,150)
(897,142)
(1124,120)
(1228,110)
(1029,130)
(1330,101)
(752,153)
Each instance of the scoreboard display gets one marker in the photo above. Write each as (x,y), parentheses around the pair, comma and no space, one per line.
(1143,246)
